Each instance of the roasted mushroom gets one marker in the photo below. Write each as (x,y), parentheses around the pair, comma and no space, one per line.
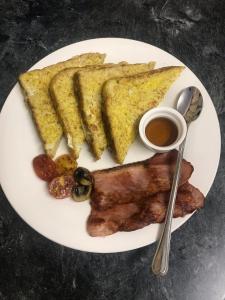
(83,176)
(81,192)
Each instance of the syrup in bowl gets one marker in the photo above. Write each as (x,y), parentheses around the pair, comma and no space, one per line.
(161,131)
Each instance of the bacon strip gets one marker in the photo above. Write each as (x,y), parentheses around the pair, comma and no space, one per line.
(133,216)
(133,182)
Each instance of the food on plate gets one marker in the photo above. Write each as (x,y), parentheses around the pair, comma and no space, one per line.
(83,176)
(61,187)
(161,131)
(83,184)
(35,85)
(136,195)
(89,83)
(63,178)
(126,99)
(58,174)
(65,103)
(136,181)
(189,199)
(64,98)
(45,167)
(81,192)
(135,215)
(65,164)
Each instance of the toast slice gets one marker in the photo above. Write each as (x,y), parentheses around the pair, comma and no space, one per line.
(35,86)
(90,84)
(127,99)
(65,103)
(63,93)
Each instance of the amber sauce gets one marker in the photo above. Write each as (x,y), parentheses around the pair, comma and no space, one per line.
(161,131)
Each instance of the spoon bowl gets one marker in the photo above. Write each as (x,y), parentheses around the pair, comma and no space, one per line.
(190,103)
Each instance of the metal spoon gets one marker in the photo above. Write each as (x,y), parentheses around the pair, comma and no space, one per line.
(190,105)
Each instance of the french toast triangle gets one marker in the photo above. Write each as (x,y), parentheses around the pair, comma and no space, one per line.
(90,83)
(65,103)
(35,86)
(126,99)
(63,93)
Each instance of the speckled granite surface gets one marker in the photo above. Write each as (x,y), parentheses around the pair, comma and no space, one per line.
(32,267)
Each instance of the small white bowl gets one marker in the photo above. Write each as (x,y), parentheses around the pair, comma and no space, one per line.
(164,112)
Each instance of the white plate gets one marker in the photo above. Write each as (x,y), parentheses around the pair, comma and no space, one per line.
(63,221)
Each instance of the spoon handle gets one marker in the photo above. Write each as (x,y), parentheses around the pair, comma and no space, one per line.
(160,261)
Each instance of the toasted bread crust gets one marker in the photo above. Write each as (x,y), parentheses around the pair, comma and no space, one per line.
(125,101)
(90,84)
(65,103)
(35,86)
(63,93)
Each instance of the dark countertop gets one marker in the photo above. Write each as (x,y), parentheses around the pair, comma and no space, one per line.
(32,267)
